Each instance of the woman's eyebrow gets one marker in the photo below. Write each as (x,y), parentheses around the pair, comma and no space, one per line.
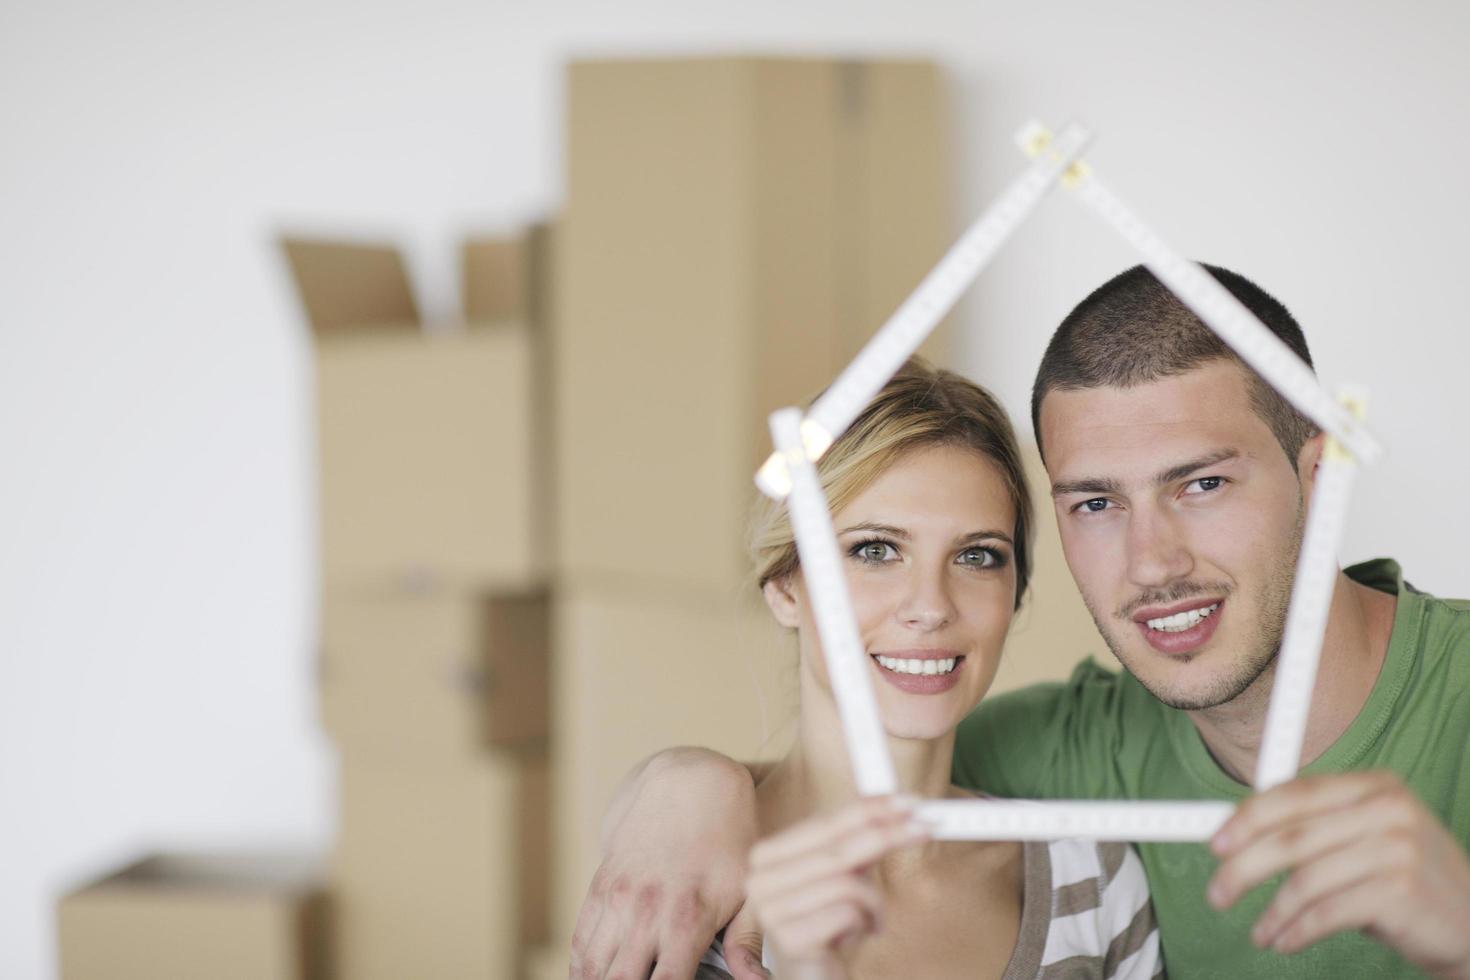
(985,535)
(870,527)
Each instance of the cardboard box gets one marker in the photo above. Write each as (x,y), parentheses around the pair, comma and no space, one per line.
(735,228)
(350,285)
(187,916)
(432,440)
(435,675)
(429,470)
(1052,630)
(436,873)
(551,962)
(634,675)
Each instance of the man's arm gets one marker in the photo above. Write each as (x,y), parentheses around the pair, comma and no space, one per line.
(1363,853)
(675,844)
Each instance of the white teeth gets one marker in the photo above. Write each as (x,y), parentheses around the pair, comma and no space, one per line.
(909,665)
(1179,622)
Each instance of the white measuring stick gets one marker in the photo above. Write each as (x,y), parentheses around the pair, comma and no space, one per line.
(916,318)
(1142,820)
(821,567)
(1306,620)
(1226,316)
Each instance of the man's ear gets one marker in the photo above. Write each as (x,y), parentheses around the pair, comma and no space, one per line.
(783,601)
(1306,463)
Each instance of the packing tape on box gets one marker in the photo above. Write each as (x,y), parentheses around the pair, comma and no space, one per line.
(1089,819)
(821,568)
(1306,617)
(918,315)
(1213,303)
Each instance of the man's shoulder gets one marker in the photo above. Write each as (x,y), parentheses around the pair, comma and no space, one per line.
(1423,619)
(1058,739)
(1090,711)
(1092,691)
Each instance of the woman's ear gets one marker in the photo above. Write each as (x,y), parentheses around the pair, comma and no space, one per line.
(783,601)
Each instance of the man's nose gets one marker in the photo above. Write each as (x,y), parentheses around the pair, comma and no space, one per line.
(927,604)
(1158,554)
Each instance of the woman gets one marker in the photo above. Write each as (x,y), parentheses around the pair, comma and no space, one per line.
(933,519)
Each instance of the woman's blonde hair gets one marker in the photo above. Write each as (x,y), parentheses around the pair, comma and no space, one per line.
(921,406)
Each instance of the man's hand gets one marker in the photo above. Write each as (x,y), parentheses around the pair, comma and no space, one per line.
(1364,853)
(672,873)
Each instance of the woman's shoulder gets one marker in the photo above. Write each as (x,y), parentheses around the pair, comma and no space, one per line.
(1087,908)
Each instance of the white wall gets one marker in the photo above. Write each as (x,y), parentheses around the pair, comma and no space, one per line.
(156,527)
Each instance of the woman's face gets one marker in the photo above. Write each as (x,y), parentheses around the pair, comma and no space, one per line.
(930,564)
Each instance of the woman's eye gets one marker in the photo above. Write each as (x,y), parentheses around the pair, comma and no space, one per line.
(1204,484)
(875,551)
(981,557)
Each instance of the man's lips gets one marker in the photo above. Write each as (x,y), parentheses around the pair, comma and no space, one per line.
(1181,641)
(1159,612)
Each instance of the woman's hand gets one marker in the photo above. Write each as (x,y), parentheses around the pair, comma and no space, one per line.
(810,889)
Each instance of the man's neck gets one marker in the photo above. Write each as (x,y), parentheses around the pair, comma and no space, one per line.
(1354,646)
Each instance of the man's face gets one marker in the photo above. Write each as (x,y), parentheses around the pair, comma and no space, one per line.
(1181,519)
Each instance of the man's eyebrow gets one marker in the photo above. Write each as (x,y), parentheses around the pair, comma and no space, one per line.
(869,526)
(1106,484)
(1184,469)
(1094,484)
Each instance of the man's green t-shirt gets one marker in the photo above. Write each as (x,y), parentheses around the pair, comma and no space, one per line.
(1101,735)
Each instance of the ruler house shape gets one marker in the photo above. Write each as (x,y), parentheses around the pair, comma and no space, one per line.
(801,438)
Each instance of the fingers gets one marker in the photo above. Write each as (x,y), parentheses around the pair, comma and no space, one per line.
(634,958)
(1303,797)
(622,930)
(586,927)
(687,927)
(1311,833)
(743,946)
(872,810)
(811,937)
(1296,842)
(674,963)
(831,854)
(844,889)
(1310,885)
(1355,907)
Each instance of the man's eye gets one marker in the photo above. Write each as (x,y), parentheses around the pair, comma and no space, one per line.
(1093,506)
(1204,484)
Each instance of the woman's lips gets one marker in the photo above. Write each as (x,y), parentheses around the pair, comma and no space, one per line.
(921,683)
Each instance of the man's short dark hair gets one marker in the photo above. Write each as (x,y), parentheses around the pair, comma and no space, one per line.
(1132,331)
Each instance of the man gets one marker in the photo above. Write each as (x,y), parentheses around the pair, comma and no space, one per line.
(1181,483)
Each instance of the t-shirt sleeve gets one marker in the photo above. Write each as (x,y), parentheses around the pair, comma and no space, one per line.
(1054,740)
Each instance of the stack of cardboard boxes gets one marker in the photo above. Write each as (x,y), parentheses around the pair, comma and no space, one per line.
(434,671)
(735,229)
(238,916)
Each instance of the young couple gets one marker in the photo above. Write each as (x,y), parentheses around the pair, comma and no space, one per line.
(1181,483)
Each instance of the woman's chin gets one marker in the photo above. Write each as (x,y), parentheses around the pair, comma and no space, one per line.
(911,727)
